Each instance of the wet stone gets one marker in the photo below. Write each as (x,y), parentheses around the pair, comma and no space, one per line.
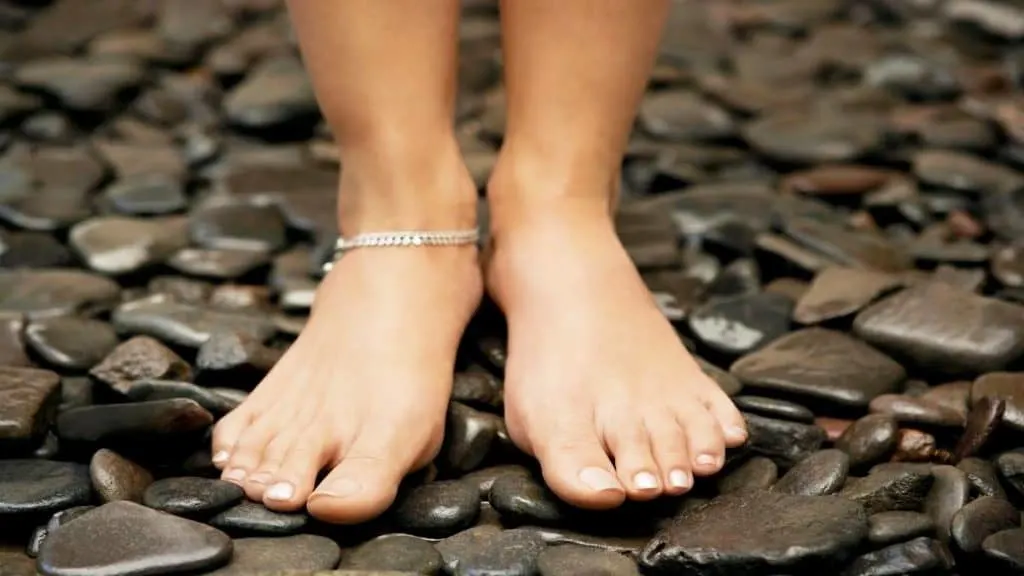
(254,518)
(140,358)
(908,409)
(186,325)
(188,496)
(54,292)
(71,343)
(774,408)
(147,195)
(784,442)
(896,489)
(300,552)
(983,420)
(821,365)
(1007,386)
(238,227)
(437,509)
(980,519)
(469,435)
(898,526)
(477,388)
(569,560)
(124,422)
(490,550)
(522,500)
(983,476)
(38,488)
(945,330)
(1007,548)
(741,324)
(486,477)
(838,292)
(138,541)
(757,473)
(918,556)
(28,397)
(114,477)
(782,532)
(217,404)
(869,440)
(820,474)
(396,552)
(949,493)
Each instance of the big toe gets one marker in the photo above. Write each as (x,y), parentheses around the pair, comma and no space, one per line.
(576,466)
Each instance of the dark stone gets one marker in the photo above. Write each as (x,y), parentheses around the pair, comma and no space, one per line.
(395,552)
(821,365)
(217,263)
(983,476)
(114,477)
(911,410)
(684,116)
(128,421)
(55,292)
(895,489)
(569,560)
(437,509)
(1006,548)
(869,440)
(490,550)
(28,397)
(32,250)
(184,324)
(469,435)
(799,137)
(819,474)
(1006,386)
(238,227)
(148,194)
(239,360)
(949,493)
(146,390)
(1011,468)
(838,292)
(485,477)
(919,556)
(277,92)
(784,442)
(781,533)
(138,541)
(983,420)
(757,473)
(774,408)
(71,343)
(300,552)
(737,325)
(41,487)
(117,245)
(140,358)
(522,500)
(188,496)
(477,388)
(254,518)
(980,519)
(89,85)
(887,528)
(963,172)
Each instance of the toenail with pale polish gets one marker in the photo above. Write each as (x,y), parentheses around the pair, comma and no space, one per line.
(221,457)
(645,481)
(598,479)
(342,488)
(234,475)
(679,479)
(707,460)
(736,432)
(280,491)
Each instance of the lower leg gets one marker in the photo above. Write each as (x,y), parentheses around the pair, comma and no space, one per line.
(363,390)
(645,419)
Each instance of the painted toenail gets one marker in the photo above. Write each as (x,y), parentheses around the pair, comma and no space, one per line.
(221,457)
(736,433)
(342,488)
(706,460)
(234,475)
(598,479)
(280,491)
(679,479)
(645,481)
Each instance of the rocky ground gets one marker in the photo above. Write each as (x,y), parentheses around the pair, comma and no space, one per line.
(826,196)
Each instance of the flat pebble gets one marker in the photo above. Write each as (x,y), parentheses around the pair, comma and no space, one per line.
(395,552)
(898,526)
(437,509)
(819,474)
(188,496)
(980,519)
(254,518)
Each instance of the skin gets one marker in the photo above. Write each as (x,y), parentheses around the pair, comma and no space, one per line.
(363,390)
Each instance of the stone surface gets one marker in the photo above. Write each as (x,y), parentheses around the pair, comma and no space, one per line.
(895,489)
(28,398)
(521,499)
(398,553)
(980,519)
(1007,386)
(571,560)
(898,526)
(125,422)
(774,408)
(301,552)
(869,440)
(70,343)
(757,473)
(838,292)
(185,324)
(140,358)
(192,496)
(949,493)
(114,477)
(54,292)
(1007,548)
(784,442)
(819,474)
(254,518)
(438,509)
(918,556)
(41,487)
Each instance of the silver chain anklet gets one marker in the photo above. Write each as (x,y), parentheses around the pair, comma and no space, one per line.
(404,238)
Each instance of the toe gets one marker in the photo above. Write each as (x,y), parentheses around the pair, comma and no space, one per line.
(226,434)
(576,466)
(635,467)
(705,443)
(293,482)
(274,454)
(734,427)
(247,453)
(668,443)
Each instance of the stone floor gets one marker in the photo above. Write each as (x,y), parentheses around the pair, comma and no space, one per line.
(826,197)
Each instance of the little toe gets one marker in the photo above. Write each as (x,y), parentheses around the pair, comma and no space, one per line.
(293,482)
(274,454)
(362,485)
(668,443)
(705,443)
(576,467)
(226,434)
(734,427)
(637,471)
(247,453)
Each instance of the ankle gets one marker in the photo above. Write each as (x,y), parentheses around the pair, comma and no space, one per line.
(398,185)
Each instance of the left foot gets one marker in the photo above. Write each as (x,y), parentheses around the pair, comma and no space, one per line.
(598,385)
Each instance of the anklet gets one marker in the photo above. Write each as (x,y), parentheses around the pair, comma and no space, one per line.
(410,238)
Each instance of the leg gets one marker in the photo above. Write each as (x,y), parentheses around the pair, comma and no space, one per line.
(598,385)
(364,388)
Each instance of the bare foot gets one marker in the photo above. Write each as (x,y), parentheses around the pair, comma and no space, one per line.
(598,385)
(364,388)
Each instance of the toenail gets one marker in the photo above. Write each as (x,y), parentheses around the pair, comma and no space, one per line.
(342,488)
(645,481)
(707,460)
(280,491)
(234,475)
(221,457)
(598,479)
(679,479)
(736,433)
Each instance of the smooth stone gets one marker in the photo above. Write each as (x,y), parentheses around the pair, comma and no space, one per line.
(490,550)
(184,324)
(33,250)
(238,227)
(683,115)
(469,436)
(395,552)
(140,358)
(300,552)
(757,473)
(821,365)
(181,289)
(117,245)
(569,560)
(147,390)
(869,440)
(217,263)
(740,324)
(838,292)
(980,519)
(41,487)
(16,563)
(963,172)
(138,541)
(130,159)
(911,410)
(953,395)
(629,545)
(522,500)
(918,556)
(129,421)
(1007,548)
(945,330)
(28,397)
(437,509)
(478,389)
(90,85)
(820,474)
(44,293)
(784,442)
(189,496)
(115,477)
(71,343)
(781,533)
(150,194)
(485,478)
(774,408)
(949,493)
(898,526)
(275,92)
(984,418)
(883,491)
(255,518)
(1011,468)
(802,137)
(983,476)
(1007,386)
